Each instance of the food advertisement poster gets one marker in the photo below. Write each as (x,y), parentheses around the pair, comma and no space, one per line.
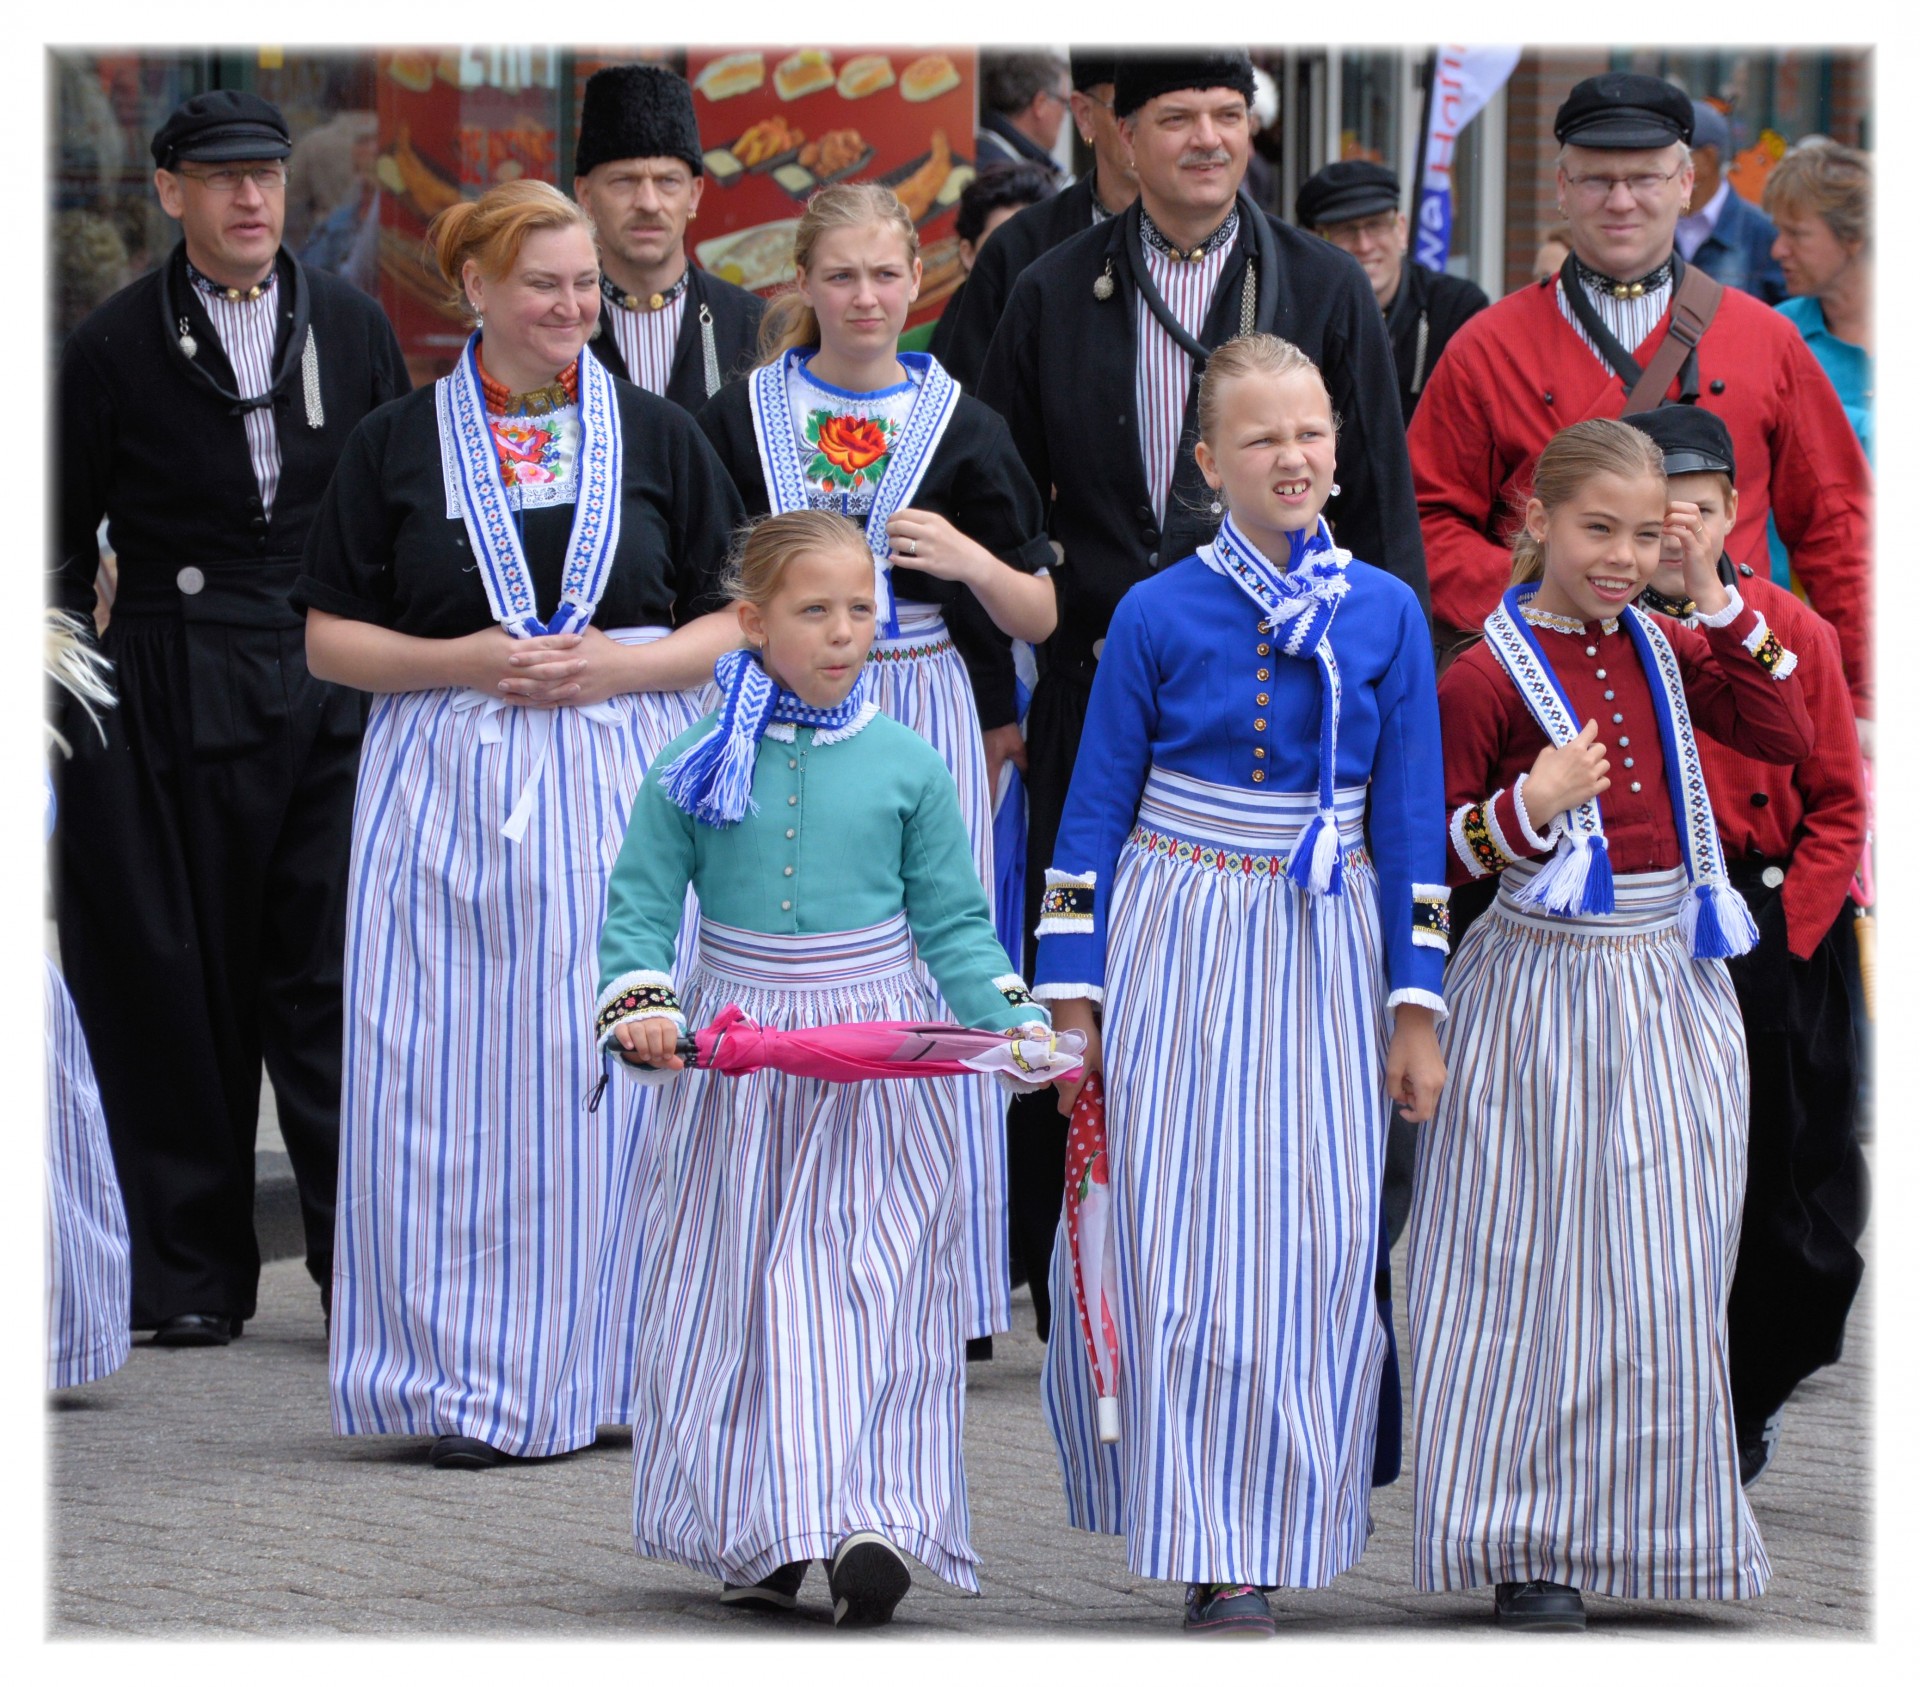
(776,123)
(453,122)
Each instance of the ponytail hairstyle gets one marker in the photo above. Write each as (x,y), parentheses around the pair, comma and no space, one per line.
(789,323)
(765,548)
(1572,458)
(1251,354)
(491,230)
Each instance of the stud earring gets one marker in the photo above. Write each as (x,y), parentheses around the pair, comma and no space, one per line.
(1214,508)
(1333,491)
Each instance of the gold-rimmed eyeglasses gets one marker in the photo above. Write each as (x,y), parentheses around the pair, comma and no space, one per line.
(268,178)
(1644,185)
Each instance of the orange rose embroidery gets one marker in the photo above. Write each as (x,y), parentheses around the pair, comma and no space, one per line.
(848,448)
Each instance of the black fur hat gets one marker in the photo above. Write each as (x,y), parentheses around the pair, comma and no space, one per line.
(1140,77)
(636,111)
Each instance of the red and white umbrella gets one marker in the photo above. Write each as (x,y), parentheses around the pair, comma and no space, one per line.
(882,1048)
(1090,1235)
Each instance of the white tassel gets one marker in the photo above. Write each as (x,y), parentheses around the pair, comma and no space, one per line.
(1558,886)
(1326,853)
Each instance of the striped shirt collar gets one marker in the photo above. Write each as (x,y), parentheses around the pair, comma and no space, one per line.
(1154,241)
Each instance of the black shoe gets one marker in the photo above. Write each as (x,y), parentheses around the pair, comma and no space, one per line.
(1227,1608)
(196,1329)
(867,1578)
(1757,1449)
(1539,1607)
(979,1347)
(326,1304)
(777,1592)
(463,1452)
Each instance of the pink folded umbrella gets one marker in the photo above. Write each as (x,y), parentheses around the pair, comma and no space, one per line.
(881,1048)
(1090,1235)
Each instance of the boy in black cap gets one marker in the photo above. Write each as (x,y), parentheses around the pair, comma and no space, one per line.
(202,848)
(1793,837)
(1356,205)
(667,325)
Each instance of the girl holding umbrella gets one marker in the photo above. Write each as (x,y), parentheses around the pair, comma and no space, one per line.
(813,1408)
(1247,880)
(835,418)
(516,563)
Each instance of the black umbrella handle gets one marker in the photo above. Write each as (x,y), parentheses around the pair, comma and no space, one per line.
(684,1046)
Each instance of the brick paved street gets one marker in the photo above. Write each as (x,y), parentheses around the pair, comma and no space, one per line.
(201,1493)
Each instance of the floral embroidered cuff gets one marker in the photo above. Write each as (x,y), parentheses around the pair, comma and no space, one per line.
(1066,905)
(1014,988)
(635,995)
(1764,646)
(1474,840)
(1432,924)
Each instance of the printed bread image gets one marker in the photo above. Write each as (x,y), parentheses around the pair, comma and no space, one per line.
(865,75)
(736,73)
(402,171)
(928,77)
(753,258)
(802,73)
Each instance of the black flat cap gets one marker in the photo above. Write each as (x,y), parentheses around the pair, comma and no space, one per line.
(1139,77)
(1624,111)
(636,111)
(219,127)
(1693,441)
(1354,187)
(1090,66)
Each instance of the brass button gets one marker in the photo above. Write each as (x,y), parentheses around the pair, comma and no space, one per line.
(1260,752)
(1260,698)
(1259,724)
(1262,674)
(1258,776)
(1262,649)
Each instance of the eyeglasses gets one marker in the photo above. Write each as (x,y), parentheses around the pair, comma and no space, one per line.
(268,178)
(1644,185)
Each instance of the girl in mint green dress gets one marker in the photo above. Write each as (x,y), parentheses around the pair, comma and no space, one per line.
(801,1381)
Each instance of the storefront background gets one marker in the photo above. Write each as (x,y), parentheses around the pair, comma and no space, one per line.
(381,140)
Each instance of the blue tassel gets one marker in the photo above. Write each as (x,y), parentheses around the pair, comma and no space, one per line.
(1596,897)
(1315,863)
(1717,923)
(712,779)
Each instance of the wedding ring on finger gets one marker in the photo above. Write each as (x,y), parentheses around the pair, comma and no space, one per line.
(909,547)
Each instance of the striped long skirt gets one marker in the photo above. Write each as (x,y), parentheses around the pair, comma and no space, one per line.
(801,1373)
(487,1235)
(88,1283)
(921,682)
(1576,1215)
(1244,1045)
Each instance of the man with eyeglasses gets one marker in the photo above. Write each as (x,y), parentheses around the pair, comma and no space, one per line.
(1104,191)
(1355,204)
(202,844)
(665,323)
(1024,104)
(1576,344)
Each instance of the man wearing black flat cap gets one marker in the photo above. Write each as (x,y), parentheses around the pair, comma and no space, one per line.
(1626,325)
(202,847)
(1095,366)
(1104,191)
(666,324)
(1356,205)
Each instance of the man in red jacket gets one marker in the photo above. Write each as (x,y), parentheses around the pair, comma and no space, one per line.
(1573,346)
(1793,836)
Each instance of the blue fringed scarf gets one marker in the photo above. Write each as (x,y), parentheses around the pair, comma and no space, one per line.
(1299,605)
(1578,879)
(712,778)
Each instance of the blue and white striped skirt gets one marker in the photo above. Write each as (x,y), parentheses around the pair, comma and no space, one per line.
(921,682)
(801,1373)
(1576,1215)
(486,1240)
(1244,1043)
(88,1282)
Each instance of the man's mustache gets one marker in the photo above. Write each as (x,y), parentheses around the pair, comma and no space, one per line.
(1218,156)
